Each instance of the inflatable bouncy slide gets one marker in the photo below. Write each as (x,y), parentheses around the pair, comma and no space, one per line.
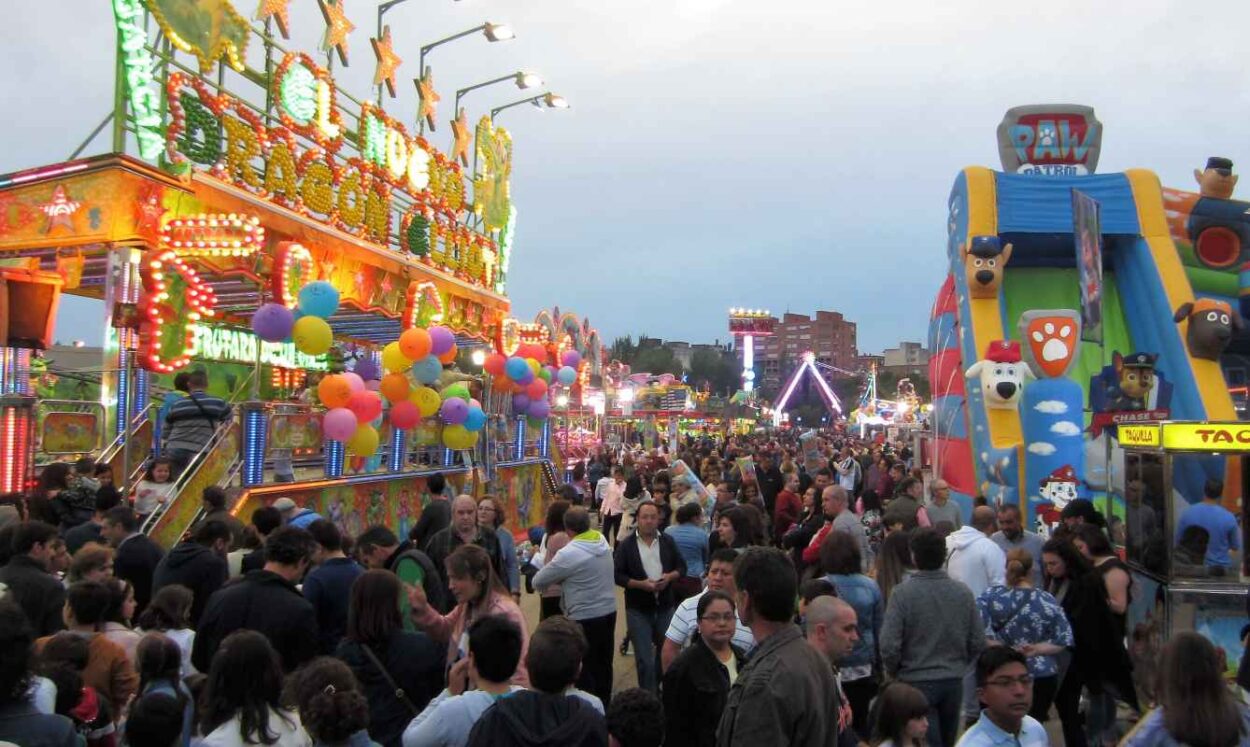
(1045,339)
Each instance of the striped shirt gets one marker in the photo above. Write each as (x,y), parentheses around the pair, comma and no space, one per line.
(682,628)
(193,419)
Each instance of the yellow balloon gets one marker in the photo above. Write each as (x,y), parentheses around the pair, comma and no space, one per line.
(459,438)
(312,335)
(426,400)
(364,442)
(535,366)
(394,360)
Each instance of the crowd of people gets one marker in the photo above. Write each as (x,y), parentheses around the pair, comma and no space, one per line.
(776,590)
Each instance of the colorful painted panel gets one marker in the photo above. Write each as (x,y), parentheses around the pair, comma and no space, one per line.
(186,505)
(69,432)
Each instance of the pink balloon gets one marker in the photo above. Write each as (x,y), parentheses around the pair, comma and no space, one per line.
(354,381)
(339,424)
(475,403)
(373,385)
(405,415)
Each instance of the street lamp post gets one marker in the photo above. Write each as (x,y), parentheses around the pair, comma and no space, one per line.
(494,32)
(541,101)
(522,79)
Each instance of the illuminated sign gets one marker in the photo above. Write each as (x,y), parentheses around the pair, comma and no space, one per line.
(239,346)
(1139,435)
(1050,140)
(142,92)
(1207,436)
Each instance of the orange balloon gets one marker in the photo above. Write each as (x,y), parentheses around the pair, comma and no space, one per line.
(334,391)
(449,356)
(395,387)
(415,343)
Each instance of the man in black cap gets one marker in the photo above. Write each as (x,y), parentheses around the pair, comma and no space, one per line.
(1218,179)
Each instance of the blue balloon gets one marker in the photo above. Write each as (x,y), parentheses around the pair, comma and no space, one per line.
(427,370)
(517,368)
(566,375)
(475,420)
(319,298)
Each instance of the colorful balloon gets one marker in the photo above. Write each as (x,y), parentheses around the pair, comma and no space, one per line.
(334,391)
(405,415)
(415,343)
(516,368)
(454,411)
(354,381)
(441,340)
(547,374)
(456,390)
(450,355)
(520,403)
(427,370)
(395,387)
(566,375)
(319,298)
(539,409)
(339,424)
(426,400)
(367,405)
(367,369)
(534,365)
(459,438)
(272,322)
(495,363)
(364,442)
(312,335)
(475,420)
(373,385)
(571,358)
(536,389)
(394,360)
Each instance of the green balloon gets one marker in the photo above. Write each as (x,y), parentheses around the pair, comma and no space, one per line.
(545,375)
(456,390)
(534,424)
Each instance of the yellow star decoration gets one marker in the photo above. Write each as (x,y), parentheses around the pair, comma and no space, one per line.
(337,27)
(279,11)
(428,109)
(460,131)
(388,62)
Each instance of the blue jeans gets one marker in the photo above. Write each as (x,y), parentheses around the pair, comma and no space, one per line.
(945,699)
(646,635)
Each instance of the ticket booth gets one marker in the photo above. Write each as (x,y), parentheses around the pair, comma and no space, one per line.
(1187,573)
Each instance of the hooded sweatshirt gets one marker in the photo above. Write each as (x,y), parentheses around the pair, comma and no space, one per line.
(975,560)
(196,567)
(533,719)
(586,574)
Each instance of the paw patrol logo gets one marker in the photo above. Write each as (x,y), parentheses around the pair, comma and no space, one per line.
(1046,140)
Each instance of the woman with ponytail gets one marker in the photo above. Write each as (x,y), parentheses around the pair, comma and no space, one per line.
(331,706)
(1032,622)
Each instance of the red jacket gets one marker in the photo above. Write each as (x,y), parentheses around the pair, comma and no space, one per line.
(811,553)
(786,511)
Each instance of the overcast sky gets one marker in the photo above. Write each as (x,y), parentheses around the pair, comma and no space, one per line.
(790,155)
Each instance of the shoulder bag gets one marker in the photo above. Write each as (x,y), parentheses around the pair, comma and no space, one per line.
(390,681)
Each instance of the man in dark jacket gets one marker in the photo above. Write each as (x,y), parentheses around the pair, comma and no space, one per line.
(90,531)
(215,501)
(464,530)
(135,555)
(435,516)
(786,694)
(378,547)
(697,684)
(198,564)
(544,715)
(768,475)
(328,586)
(37,554)
(646,564)
(20,722)
(264,519)
(268,602)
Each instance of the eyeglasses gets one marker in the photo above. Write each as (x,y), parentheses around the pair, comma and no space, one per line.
(485,509)
(1024,680)
(727,617)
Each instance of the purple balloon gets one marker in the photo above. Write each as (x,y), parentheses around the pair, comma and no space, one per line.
(453,411)
(441,340)
(571,358)
(368,370)
(339,424)
(526,378)
(272,322)
(539,409)
(520,403)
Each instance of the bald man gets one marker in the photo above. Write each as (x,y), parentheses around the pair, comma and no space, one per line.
(940,509)
(464,530)
(832,631)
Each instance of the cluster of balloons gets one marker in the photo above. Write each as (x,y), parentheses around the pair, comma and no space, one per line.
(305,325)
(527,374)
(354,411)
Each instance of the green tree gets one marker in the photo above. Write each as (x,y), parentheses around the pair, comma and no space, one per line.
(657,361)
(624,349)
(715,370)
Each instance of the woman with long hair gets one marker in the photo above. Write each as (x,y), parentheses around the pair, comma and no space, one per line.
(902,717)
(169,613)
(478,592)
(116,625)
(1196,706)
(331,705)
(840,561)
(158,660)
(52,480)
(1031,621)
(240,703)
(380,652)
(490,517)
(894,563)
(733,529)
(554,538)
(1095,654)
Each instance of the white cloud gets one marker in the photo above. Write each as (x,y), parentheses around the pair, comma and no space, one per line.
(1042,448)
(1066,428)
(1051,407)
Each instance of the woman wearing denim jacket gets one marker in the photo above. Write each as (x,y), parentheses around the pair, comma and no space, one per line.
(859,670)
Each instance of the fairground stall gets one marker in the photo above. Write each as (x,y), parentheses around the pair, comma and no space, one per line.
(338,279)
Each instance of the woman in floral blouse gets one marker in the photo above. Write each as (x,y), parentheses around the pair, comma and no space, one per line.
(1031,621)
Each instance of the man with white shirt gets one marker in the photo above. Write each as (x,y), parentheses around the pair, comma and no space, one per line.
(681,630)
(647,563)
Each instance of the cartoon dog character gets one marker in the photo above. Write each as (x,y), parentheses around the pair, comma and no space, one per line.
(1002,374)
(1058,489)
(1211,327)
(1135,377)
(1217,179)
(983,265)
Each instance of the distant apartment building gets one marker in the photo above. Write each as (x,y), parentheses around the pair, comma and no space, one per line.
(829,336)
(908,359)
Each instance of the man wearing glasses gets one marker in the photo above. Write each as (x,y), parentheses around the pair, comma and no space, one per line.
(1005,686)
